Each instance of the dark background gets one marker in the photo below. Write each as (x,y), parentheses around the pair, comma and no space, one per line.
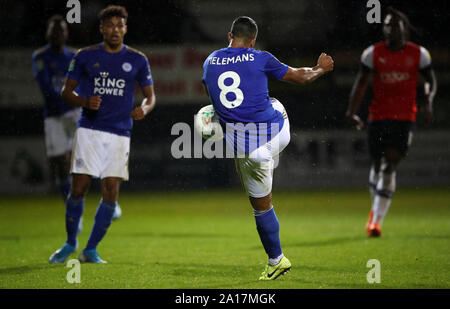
(338,28)
(344,36)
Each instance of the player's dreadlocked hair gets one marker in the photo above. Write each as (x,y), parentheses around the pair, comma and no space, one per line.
(113,11)
(402,17)
(244,28)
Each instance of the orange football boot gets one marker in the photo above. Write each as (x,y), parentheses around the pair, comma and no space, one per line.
(369,221)
(374,230)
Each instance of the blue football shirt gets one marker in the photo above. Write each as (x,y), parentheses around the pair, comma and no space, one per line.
(112,76)
(237,83)
(50,70)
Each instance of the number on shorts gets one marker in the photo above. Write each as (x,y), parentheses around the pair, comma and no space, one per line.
(232,88)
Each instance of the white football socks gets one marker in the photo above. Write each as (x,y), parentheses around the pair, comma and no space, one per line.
(373,180)
(385,189)
(275,261)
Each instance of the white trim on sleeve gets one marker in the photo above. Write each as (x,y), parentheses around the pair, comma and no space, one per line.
(425,58)
(367,57)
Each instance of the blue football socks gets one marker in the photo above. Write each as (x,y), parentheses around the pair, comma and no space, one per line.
(103,219)
(64,185)
(268,230)
(74,210)
(64,188)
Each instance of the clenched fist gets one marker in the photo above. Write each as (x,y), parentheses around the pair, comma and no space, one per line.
(325,62)
(354,119)
(137,113)
(94,102)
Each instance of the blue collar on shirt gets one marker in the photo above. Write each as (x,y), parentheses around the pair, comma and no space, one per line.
(124,48)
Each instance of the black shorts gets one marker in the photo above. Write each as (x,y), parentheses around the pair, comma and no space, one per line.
(389,134)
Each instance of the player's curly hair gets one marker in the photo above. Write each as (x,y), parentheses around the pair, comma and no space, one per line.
(113,11)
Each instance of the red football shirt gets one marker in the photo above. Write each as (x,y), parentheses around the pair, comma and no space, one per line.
(395,82)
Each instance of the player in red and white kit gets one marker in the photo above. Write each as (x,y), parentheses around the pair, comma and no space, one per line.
(395,65)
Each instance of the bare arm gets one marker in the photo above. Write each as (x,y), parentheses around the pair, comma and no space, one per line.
(68,95)
(357,95)
(148,103)
(305,75)
(430,88)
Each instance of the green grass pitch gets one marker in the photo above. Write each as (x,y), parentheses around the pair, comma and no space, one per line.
(208,239)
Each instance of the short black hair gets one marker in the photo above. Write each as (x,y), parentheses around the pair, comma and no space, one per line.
(113,11)
(55,19)
(244,28)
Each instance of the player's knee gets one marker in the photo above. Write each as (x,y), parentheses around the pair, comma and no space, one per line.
(393,156)
(391,164)
(78,191)
(110,192)
(80,185)
(262,203)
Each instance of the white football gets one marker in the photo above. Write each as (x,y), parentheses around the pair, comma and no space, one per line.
(206,123)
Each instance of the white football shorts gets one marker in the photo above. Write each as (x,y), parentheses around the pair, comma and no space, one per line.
(100,154)
(256,169)
(59,131)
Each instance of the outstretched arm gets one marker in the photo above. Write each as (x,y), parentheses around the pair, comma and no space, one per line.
(357,95)
(305,75)
(148,104)
(430,88)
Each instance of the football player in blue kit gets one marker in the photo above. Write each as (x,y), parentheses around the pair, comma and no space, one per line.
(255,126)
(50,64)
(105,75)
